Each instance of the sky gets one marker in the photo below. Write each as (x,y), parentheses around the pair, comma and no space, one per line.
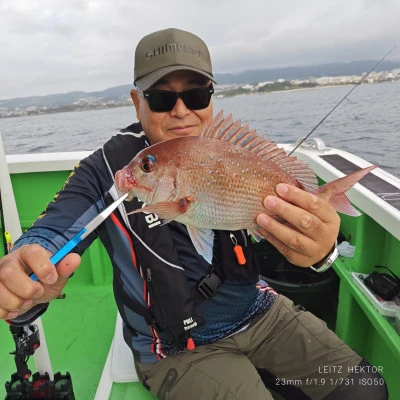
(58,46)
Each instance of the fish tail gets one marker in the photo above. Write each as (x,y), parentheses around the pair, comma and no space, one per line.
(334,191)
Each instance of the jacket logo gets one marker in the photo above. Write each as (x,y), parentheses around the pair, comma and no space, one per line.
(151,219)
(189,324)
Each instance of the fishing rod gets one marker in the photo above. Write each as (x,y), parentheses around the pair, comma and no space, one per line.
(302,140)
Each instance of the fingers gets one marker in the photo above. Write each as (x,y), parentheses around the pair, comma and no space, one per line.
(293,245)
(18,292)
(311,225)
(304,211)
(13,274)
(65,268)
(12,304)
(36,259)
(311,212)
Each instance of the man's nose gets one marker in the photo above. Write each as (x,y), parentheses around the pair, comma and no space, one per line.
(180,110)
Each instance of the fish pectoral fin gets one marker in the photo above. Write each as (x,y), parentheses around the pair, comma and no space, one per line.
(203,241)
(256,235)
(167,210)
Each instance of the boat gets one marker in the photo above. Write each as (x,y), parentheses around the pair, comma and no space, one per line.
(82,327)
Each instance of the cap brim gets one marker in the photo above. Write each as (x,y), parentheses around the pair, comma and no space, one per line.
(149,80)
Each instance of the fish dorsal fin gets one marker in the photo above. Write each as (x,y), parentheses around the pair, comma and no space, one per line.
(240,135)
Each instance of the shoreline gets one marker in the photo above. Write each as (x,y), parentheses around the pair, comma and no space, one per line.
(282,91)
(217,97)
(318,87)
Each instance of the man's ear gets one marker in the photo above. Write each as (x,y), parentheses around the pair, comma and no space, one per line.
(135,99)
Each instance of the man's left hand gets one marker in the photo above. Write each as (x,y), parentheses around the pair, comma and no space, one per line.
(313,225)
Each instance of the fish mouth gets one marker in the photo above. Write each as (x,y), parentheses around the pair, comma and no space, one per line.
(127,183)
(124,181)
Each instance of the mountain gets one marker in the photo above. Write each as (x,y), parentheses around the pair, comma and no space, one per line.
(304,72)
(121,93)
(63,99)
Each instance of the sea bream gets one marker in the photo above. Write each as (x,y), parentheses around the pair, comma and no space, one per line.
(219,180)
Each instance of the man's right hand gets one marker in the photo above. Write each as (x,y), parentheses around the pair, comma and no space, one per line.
(18,292)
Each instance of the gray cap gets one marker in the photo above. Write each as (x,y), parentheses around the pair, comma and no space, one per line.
(170,50)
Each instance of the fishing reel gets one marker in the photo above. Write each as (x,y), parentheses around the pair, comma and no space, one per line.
(40,387)
(26,340)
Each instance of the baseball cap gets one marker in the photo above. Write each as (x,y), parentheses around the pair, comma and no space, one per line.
(168,50)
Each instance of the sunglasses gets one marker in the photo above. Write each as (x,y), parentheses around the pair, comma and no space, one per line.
(165,100)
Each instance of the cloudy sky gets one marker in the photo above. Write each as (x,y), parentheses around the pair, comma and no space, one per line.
(56,46)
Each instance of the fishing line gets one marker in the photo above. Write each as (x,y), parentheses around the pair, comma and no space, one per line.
(2,228)
(341,101)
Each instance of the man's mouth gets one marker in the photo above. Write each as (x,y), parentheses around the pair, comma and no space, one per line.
(182,129)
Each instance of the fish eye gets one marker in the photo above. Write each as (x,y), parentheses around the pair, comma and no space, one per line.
(148,163)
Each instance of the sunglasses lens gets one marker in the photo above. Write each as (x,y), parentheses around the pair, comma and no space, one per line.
(194,99)
(161,101)
(197,99)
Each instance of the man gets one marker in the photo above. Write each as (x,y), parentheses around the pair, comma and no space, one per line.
(196,330)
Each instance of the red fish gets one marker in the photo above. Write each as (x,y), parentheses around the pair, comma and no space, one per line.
(219,180)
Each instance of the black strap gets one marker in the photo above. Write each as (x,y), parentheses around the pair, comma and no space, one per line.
(207,288)
(137,308)
(30,316)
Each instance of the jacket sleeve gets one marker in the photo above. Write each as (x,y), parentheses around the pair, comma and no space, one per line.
(77,203)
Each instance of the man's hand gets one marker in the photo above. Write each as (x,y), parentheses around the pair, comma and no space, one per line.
(312,230)
(18,292)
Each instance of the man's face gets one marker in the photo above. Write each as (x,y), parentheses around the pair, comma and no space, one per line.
(180,121)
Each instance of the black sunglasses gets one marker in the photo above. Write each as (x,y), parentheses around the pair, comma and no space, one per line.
(165,100)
